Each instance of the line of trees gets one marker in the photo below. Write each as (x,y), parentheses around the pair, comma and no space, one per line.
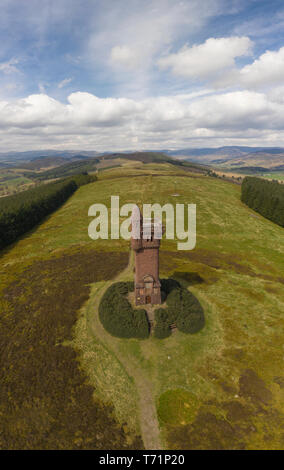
(265,197)
(21,212)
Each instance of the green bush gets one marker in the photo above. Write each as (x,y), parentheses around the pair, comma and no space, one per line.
(130,285)
(117,315)
(183,309)
(192,322)
(162,329)
(168,285)
(165,315)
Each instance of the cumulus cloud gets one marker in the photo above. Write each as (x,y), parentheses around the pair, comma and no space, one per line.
(208,59)
(131,51)
(214,61)
(87,121)
(266,70)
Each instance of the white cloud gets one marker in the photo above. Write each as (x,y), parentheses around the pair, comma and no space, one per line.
(86,121)
(238,110)
(262,73)
(266,70)
(208,59)
(87,109)
(214,61)
(125,56)
(276,94)
(64,82)
(131,34)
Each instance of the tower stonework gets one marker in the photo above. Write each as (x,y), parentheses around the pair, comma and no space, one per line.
(147,285)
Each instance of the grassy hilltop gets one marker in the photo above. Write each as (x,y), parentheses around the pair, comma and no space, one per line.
(66,383)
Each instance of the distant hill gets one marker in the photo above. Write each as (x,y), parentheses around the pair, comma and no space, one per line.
(66,169)
(226,156)
(260,159)
(235,157)
(145,157)
(44,162)
(23,157)
(157,157)
(228,151)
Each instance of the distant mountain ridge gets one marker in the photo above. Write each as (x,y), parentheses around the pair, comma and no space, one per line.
(235,156)
(232,151)
(227,156)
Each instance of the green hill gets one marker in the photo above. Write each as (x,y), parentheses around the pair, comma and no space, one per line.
(66,383)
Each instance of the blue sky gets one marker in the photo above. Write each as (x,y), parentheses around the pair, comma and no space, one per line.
(123,74)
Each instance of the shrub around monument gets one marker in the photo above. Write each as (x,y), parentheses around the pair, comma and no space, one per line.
(117,315)
(183,309)
(168,285)
(189,313)
(162,328)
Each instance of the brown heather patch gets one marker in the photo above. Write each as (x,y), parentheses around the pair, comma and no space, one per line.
(45,401)
(206,432)
(279,381)
(258,296)
(253,387)
(236,411)
(227,387)
(214,260)
(273,290)
(245,417)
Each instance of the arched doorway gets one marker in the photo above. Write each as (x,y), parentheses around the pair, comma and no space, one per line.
(149,288)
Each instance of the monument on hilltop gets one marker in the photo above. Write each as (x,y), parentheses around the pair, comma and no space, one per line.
(146,236)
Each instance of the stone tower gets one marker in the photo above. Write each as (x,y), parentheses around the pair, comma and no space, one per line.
(147,285)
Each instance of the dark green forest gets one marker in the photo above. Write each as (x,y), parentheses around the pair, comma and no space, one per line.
(21,212)
(265,197)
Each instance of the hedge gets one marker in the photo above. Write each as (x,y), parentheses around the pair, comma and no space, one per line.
(117,315)
(183,309)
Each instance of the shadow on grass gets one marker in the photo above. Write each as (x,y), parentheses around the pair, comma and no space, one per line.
(188,278)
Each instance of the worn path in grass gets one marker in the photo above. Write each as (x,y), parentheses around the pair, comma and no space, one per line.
(147,410)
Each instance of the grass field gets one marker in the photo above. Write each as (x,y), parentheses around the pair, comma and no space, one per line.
(225,382)
(12,181)
(274,175)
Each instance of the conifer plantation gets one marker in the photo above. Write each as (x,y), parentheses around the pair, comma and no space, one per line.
(21,212)
(265,197)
